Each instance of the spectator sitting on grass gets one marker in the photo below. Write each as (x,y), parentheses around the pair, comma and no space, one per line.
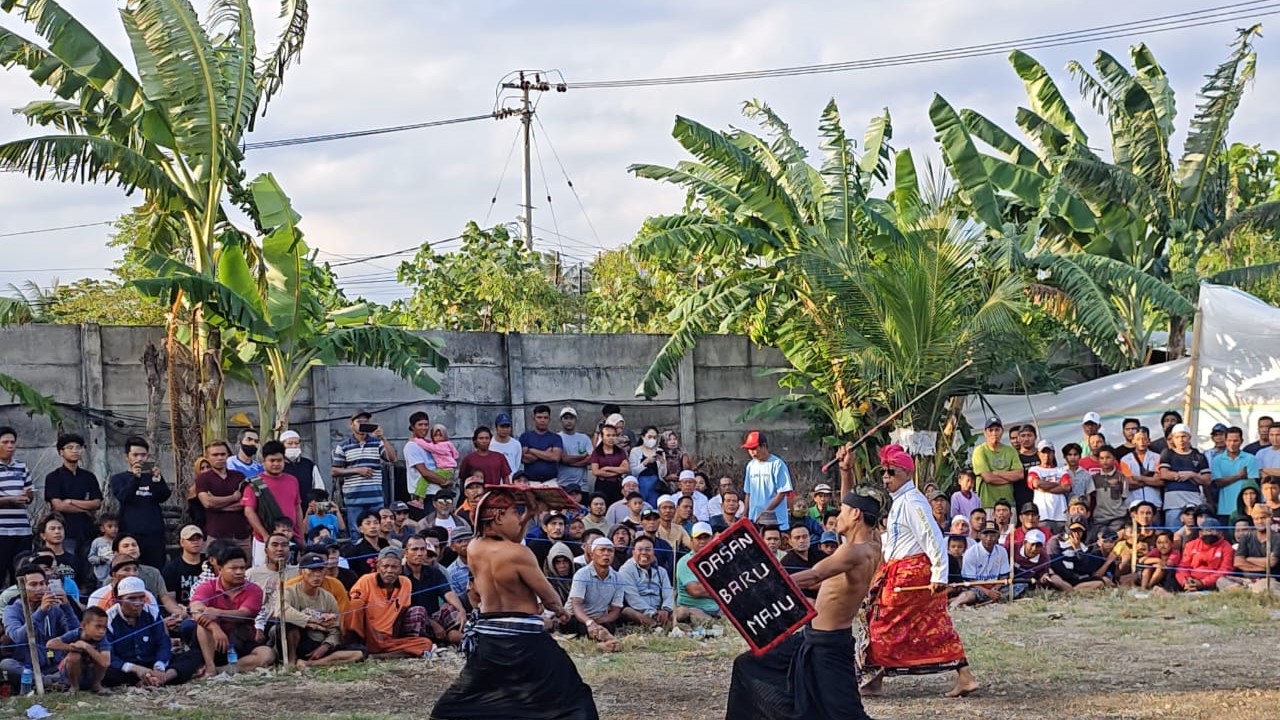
(51,617)
(87,652)
(669,531)
(647,591)
(830,542)
(314,620)
(960,526)
(430,590)
(984,562)
(956,545)
(1257,549)
(363,555)
(140,657)
(1159,565)
(622,510)
(224,609)
(381,613)
(772,535)
(666,555)
(1206,559)
(693,601)
(1033,565)
(730,510)
(596,597)
(1073,561)
(559,568)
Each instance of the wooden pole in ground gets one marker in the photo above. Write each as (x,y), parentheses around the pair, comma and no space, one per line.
(1133,544)
(36,674)
(281,628)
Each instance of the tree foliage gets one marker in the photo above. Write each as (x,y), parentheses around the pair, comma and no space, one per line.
(492,284)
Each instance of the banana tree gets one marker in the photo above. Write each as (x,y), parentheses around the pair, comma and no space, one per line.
(277,314)
(871,301)
(1154,215)
(173,130)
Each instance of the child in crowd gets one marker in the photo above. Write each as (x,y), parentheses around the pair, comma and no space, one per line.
(100,551)
(443,452)
(320,513)
(88,654)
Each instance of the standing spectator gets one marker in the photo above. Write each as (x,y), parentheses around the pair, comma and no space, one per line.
(1206,559)
(996,465)
(1090,425)
(422,471)
(964,500)
(1081,478)
(1092,445)
(766,482)
(596,596)
(183,571)
(648,464)
(612,416)
(1269,457)
(647,593)
(74,493)
(1109,498)
(1229,470)
(357,465)
(301,466)
(1264,435)
(141,492)
(493,465)
(224,608)
(1051,488)
(1218,436)
(271,496)
(541,449)
(694,603)
(1167,420)
(220,490)
(507,445)
(678,461)
(245,460)
(1027,456)
(16,492)
(609,465)
(1143,468)
(1129,428)
(51,617)
(576,458)
(687,487)
(1185,470)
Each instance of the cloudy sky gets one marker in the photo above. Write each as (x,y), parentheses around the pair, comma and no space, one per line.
(378,63)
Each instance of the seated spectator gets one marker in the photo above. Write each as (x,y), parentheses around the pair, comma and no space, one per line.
(51,617)
(362,556)
(820,502)
(442,514)
(802,555)
(977,521)
(684,514)
(984,562)
(1257,550)
(1190,526)
(1206,559)
(647,592)
(714,503)
(596,597)
(404,526)
(668,530)
(1159,565)
(730,510)
(559,569)
(267,576)
(1073,561)
(551,532)
(182,572)
(799,515)
(122,566)
(430,590)
(1028,520)
(170,610)
(624,509)
(314,620)
(622,538)
(581,558)
(139,657)
(1032,563)
(666,554)
(331,583)
(830,542)
(1002,516)
(960,526)
(320,512)
(597,508)
(472,489)
(224,609)
(382,615)
(100,551)
(693,601)
(956,545)
(772,535)
(687,487)
(51,534)
(87,653)
(459,573)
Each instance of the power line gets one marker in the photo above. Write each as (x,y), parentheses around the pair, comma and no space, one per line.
(1165,23)
(287,142)
(569,182)
(56,229)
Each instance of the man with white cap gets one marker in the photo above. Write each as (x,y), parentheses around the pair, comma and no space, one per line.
(300,466)
(1090,424)
(1185,471)
(618,512)
(688,484)
(141,653)
(694,602)
(596,596)
(576,457)
(1033,565)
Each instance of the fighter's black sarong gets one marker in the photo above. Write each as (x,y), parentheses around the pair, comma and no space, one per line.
(810,675)
(515,671)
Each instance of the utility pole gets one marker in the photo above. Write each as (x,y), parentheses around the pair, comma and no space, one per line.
(527,81)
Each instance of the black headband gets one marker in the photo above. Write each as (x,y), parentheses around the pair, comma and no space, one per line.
(868,505)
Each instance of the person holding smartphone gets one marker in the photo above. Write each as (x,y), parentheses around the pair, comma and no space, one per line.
(141,492)
(357,468)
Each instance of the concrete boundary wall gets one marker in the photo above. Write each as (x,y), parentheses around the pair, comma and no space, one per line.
(100,369)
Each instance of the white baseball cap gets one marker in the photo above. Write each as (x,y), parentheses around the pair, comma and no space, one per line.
(687,475)
(613,420)
(568,410)
(700,529)
(129,586)
(1180,428)
(602,542)
(1091,417)
(1035,536)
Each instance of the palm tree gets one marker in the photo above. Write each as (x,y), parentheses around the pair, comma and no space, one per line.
(870,301)
(173,131)
(1117,241)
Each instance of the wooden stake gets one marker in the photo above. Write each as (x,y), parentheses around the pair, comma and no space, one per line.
(36,674)
(281,628)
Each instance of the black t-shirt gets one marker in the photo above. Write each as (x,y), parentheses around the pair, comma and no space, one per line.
(1022,494)
(428,590)
(362,557)
(62,484)
(1194,461)
(181,578)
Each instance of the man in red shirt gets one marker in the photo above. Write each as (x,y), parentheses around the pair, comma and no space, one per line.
(1206,559)
(1028,520)
(284,491)
(220,490)
(224,608)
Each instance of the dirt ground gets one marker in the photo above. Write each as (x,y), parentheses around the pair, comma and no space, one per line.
(1110,656)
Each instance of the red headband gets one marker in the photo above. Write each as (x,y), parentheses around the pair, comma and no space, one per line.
(894,456)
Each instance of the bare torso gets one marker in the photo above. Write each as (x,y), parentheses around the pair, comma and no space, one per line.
(496,568)
(840,596)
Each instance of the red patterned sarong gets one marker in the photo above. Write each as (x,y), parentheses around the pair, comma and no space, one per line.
(910,632)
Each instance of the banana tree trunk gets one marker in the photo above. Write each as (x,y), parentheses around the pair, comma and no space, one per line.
(1177,337)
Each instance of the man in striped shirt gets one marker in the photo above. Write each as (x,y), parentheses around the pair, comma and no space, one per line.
(16,492)
(357,465)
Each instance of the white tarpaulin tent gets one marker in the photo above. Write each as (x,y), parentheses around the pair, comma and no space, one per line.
(1238,380)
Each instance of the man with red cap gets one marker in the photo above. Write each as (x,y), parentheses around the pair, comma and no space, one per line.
(766,482)
(908,626)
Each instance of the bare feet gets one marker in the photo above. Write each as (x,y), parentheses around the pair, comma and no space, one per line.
(966,684)
(609,646)
(301,664)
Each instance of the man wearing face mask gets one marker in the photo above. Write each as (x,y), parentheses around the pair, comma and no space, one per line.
(245,461)
(303,468)
(1206,559)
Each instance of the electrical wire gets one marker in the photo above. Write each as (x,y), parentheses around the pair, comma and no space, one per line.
(289,142)
(502,176)
(1165,23)
(57,229)
(569,182)
(542,170)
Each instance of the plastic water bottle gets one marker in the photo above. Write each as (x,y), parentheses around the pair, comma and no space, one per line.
(232,660)
(28,682)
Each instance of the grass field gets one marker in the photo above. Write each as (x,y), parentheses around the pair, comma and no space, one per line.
(1108,656)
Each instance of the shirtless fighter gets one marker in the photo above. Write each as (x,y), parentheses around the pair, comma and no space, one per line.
(813,674)
(514,668)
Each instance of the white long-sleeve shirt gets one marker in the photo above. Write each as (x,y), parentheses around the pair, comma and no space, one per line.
(911,530)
